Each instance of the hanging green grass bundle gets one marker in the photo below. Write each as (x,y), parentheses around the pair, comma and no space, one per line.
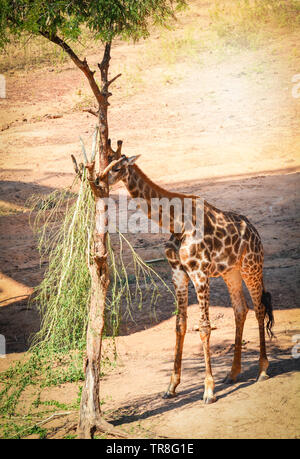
(64,223)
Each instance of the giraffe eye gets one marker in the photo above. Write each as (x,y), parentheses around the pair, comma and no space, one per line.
(117,169)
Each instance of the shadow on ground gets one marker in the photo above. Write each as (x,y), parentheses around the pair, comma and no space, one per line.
(189,393)
(268,203)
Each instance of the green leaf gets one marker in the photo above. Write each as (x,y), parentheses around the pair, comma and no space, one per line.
(107,19)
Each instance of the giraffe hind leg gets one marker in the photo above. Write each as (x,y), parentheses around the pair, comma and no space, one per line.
(262,306)
(233,280)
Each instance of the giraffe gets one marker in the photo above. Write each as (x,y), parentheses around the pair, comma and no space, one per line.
(230,247)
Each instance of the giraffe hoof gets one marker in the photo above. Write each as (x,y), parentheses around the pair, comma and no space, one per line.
(229,380)
(262,377)
(169,395)
(209,400)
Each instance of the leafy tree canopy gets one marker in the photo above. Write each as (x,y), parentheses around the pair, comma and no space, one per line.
(106,19)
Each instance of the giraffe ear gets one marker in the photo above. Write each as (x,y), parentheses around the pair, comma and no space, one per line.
(132,159)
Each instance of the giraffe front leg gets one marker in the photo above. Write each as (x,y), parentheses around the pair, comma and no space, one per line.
(209,385)
(180,280)
(201,284)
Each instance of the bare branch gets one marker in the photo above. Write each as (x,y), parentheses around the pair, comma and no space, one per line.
(78,169)
(91,171)
(75,165)
(103,67)
(113,79)
(89,110)
(82,65)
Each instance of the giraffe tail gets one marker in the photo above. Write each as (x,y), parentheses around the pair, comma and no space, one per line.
(266,300)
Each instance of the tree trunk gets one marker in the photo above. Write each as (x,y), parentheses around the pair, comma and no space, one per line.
(90,419)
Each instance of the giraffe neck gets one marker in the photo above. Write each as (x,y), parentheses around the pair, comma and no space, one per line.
(140,186)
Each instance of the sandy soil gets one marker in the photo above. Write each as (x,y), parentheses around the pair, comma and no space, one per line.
(228,131)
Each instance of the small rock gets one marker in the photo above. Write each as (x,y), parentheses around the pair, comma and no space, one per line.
(55,116)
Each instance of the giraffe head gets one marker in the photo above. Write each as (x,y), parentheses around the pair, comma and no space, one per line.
(120,169)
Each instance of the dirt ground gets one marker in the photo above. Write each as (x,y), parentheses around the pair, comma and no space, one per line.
(228,130)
